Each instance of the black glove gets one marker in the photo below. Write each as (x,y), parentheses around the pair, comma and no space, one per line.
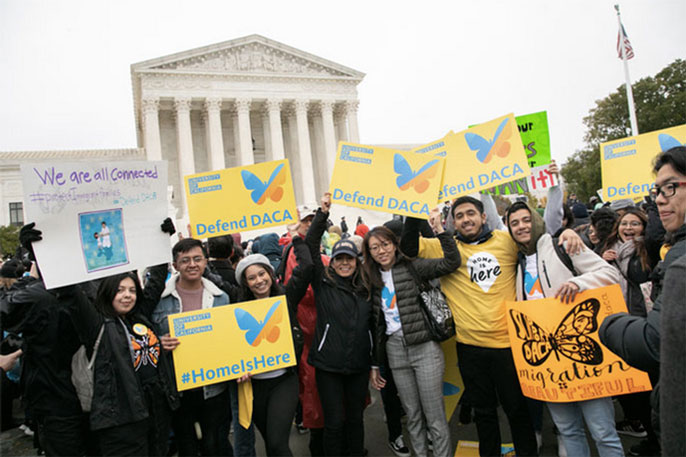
(167,226)
(29,235)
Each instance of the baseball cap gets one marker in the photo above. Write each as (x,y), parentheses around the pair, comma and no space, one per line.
(305,211)
(344,247)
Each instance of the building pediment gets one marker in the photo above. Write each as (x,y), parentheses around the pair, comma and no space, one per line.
(249,55)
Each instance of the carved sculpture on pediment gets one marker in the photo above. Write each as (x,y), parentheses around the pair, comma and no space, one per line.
(255,58)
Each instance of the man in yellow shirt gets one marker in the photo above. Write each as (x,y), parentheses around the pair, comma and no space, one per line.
(476,293)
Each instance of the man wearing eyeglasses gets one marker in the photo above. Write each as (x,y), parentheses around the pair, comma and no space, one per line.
(637,339)
(205,407)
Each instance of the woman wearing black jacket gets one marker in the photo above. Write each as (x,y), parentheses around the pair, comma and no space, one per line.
(342,344)
(275,393)
(402,334)
(132,395)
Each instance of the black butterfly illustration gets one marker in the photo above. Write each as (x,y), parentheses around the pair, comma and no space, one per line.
(570,339)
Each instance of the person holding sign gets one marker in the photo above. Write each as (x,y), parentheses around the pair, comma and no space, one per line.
(275,393)
(636,339)
(207,406)
(545,270)
(342,342)
(476,293)
(416,360)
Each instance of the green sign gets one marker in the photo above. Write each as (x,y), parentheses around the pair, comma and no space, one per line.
(533,128)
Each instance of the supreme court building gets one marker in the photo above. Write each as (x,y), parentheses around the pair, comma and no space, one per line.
(229,104)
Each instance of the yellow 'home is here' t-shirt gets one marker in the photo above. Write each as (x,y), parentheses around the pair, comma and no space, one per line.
(476,292)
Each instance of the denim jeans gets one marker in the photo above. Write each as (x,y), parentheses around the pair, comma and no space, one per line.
(599,415)
(243,440)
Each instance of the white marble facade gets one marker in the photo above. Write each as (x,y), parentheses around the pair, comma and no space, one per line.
(234,103)
(246,101)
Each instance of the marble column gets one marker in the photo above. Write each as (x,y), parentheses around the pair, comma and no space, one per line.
(267,137)
(276,134)
(292,128)
(151,126)
(351,113)
(329,132)
(236,138)
(213,126)
(304,152)
(339,120)
(245,155)
(184,144)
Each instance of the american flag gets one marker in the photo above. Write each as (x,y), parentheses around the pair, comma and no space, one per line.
(622,39)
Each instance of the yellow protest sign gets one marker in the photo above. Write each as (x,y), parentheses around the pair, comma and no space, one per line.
(241,198)
(627,164)
(226,342)
(557,352)
(453,387)
(381,179)
(483,156)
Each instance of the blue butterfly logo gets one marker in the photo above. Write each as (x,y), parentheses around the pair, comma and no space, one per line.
(668,142)
(487,149)
(260,190)
(408,178)
(450,389)
(258,330)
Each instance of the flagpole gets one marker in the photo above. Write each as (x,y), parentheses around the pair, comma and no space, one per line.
(629,91)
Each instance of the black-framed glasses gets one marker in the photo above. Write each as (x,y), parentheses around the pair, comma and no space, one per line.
(667,190)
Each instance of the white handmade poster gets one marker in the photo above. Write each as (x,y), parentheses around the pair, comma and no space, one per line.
(97,218)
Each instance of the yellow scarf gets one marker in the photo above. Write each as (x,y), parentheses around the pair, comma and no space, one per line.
(245,403)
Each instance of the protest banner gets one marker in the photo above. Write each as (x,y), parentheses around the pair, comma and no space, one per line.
(381,179)
(627,164)
(557,352)
(104,218)
(482,157)
(533,129)
(540,179)
(226,342)
(241,198)
(453,387)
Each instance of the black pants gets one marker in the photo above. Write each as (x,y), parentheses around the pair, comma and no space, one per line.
(636,406)
(62,435)
(490,377)
(342,397)
(128,439)
(274,404)
(212,415)
(391,405)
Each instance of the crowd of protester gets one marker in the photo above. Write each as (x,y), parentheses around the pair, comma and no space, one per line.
(352,299)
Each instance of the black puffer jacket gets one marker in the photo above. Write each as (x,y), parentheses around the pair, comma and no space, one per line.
(50,341)
(412,321)
(343,338)
(118,396)
(637,339)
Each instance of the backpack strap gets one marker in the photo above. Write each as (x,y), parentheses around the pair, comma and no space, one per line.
(563,256)
(91,362)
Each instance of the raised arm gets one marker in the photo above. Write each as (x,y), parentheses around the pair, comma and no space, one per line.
(493,219)
(313,238)
(152,291)
(409,239)
(434,268)
(554,213)
(302,274)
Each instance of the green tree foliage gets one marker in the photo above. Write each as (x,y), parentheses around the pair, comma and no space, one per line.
(660,103)
(9,240)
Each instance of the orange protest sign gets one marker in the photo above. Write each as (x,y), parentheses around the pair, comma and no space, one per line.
(557,352)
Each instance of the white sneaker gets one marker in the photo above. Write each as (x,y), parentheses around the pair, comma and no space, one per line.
(561,450)
(398,447)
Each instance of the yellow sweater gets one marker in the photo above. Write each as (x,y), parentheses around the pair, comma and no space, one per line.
(476,291)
